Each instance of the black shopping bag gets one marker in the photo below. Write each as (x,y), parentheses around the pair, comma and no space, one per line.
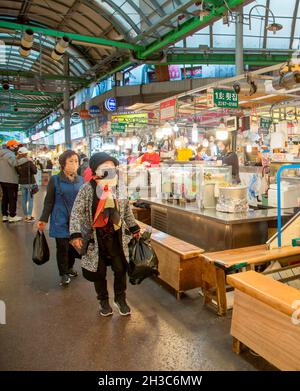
(40,252)
(143,260)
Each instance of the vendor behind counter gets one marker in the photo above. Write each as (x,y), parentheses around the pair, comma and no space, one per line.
(230,158)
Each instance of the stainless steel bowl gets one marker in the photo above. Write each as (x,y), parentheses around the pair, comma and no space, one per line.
(233,193)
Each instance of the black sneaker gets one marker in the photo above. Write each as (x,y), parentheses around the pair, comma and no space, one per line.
(72,273)
(105,308)
(65,280)
(122,306)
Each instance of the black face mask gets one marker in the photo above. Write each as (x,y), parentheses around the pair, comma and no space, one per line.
(108,173)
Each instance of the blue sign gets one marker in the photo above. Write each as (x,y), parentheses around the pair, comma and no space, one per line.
(110,104)
(94,110)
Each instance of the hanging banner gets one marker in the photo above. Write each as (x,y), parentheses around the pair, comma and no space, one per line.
(118,127)
(226,98)
(210,98)
(130,118)
(265,123)
(168,110)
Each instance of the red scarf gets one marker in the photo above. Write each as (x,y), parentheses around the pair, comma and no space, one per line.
(101,218)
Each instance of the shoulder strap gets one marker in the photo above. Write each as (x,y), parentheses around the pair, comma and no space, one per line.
(58,186)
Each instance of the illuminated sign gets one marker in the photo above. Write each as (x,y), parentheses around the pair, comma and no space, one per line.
(130,118)
(110,104)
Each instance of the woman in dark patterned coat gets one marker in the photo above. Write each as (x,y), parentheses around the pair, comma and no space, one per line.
(101,226)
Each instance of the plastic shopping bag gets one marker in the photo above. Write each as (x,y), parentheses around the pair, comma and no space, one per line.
(143,260)
(40,252)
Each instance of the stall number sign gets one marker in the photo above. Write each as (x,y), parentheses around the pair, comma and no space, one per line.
(118,127)
(168,110)
(226,98)
(265,123)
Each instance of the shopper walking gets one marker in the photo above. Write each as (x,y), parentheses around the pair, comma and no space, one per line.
(101,218)
(26,170)
(9,181)
(61,193)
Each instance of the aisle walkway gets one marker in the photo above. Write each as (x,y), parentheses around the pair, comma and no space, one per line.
(52,328)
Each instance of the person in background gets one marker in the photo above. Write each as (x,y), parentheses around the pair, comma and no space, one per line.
(130,158)
(84,163)
(49,165)
(150,158)
(230,158)
(26,170)
(9,181)
(61,193)
(39,165)
(102,216)
(201,153)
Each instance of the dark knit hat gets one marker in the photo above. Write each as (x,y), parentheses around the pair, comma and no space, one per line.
(99,158)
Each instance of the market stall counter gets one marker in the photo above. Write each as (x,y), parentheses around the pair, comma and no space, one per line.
(213,230)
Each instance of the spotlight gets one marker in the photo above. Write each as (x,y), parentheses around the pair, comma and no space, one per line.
(26,43)
(253,86)
(60,48)
(237,87)
(287,81)
(5,85)
(274,27)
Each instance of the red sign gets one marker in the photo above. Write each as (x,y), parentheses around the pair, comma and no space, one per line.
(168,110)
(84,114)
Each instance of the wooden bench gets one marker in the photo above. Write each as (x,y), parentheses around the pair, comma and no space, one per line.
(217,265)
(178,262)
(266,319)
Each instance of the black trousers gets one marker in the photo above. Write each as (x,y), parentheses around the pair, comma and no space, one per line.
(65,255)
(119,268)
(9,199)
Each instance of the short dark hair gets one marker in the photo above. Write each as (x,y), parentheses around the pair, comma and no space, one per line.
(150,143)
(66,155)
(200,148)
(227,143)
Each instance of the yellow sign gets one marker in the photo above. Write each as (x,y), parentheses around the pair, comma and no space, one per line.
(130,118)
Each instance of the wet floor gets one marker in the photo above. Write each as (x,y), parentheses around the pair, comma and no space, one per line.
(53,328)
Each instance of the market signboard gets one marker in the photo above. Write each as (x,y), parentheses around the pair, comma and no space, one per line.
(226,98)
(168,110)
(265,123)
(118,127)
(130,118)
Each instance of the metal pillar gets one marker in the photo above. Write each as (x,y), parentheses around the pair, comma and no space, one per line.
(239,42)
(67,115)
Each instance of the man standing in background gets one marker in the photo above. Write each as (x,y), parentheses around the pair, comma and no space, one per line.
(9,181)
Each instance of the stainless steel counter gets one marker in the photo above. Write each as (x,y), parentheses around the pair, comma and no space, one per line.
(213,230)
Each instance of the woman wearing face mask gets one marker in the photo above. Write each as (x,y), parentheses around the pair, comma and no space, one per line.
(230,158)
(101,227)
(150,158)
(61,193)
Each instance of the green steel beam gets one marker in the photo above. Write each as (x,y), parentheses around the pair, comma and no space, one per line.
(25,92)
(80,39)
(226,58)
(190,26)
(187,28)
(32,75)
(15,129)
(16,100)
(27,106)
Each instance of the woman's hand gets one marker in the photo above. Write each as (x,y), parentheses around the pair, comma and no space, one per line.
(77,243)
(137,235)
(41,225)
